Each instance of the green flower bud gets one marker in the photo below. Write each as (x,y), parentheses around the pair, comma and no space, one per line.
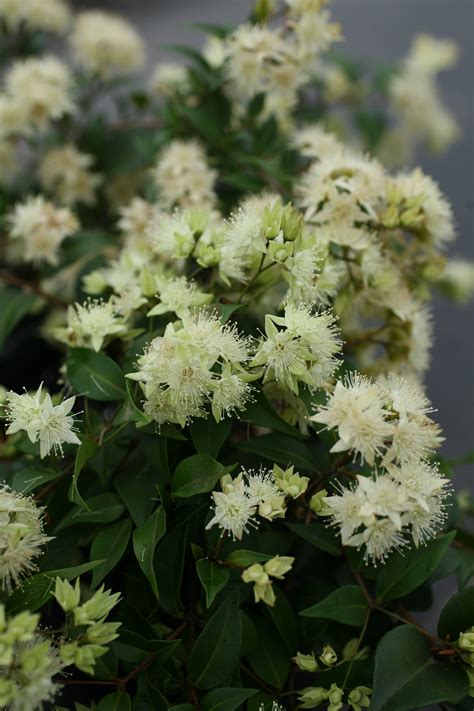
(264,592)
(6,650)
(318,503)
(263,9)
(34,660)
(97,608)
(359,698)
(466,640)
(335,697)
(86,657)
(255,574)
(278,566)
(147,282)
(198,219)
(292,484)
(67,653)
(272,507)
(102,633)
(328,656)
(271,220)
(291,223)
(313,696)
(207,255)
(470,675)
(22,626)
(280,252)
(390,218)
(306,662)
(67,596)
(8,691)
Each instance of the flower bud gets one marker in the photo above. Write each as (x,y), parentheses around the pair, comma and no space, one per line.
(34,660)
(280,252)
(102,633)
(272,507)
(271,220)
(466,640)
(291,223)
(328,656)
(292,484)
(359,697)
(255,574)
(313,696)
(264,592)
(306,662)
(335,697)
(96,608)
(8,691)
(67,596)
(147,282)
(318,503)
(278,566)
(86,656)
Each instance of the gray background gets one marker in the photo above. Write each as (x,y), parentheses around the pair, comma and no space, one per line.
(380,31)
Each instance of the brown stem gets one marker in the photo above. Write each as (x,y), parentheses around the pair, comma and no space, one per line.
(34,288)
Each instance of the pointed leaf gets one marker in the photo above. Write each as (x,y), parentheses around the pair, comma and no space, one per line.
(145,540)
(458,614)
(346,605)
(110,545)
(196,475)
(95,375)
(213,577)
(226,699)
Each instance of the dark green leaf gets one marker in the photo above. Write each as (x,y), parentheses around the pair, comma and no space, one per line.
(213,577)
(118,701)
(261,412)
(215,653)
(457,615)
(95,375)
(281,449)
(110,545)
(346,605)
(270,658)
(31,478)
(14,305)
(208,436)
(196,475)
(103,508)
(87,450)
(246,558)
(226,699)
(285,620)
(318,535)
(407,678)
(135,486)
(404,572)
(145,540)
(169,569)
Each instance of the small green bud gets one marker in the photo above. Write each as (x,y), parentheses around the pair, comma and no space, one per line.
(278,566)
(328,656)
(306,662)
(313,696)
(335,697)
(271,220)
(318,504)
(272,507)
(22,626)
(66,595)
(255,574)
(280,252)
(466,640)
(86,657)
(102,633)
(265,593)
(390,218)
(8,692)
(263,9)
(34,660)
(207,255)
(291,223)
(147,282)
(67,653)
(359,698)
(97,608)
(292,484)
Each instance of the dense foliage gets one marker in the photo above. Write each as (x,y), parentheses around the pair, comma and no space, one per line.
(220,481)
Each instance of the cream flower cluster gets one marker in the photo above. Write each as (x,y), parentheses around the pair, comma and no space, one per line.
(40,227)
(106,45)
(183,176)
(50,425)
(302,351)
(167,79)
(28,663)
(65,172)
(197,362)
(261,577)
(37,91)
(43,15)
(254,493)
(21,537)
(91,324)
(387,424)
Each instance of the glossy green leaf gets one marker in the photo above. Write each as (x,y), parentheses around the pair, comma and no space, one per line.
(14,305)
(281,449)
(406,677)
(86,450)
(457,615)
(109,544)
(318,535)
(95,375)
(246,558)
(103,508)
(145,540)
(216,652)
(213,577)
(208,436)
(346,605)
(30,478)
(261,412)
(404,572)
(118,701)
(226,699)
(196,475)
(270,659)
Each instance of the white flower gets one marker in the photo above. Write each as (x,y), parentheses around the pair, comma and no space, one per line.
(315,142)
(457,279)
(263,487)
(51,425)
(234,512)
(91,323)
(357,409)
(183,176)
(167,78)
(178,295)
(42,88)
(44,15)
(106,45)
(42,227)
(230,393)
(66,173)
(21,536)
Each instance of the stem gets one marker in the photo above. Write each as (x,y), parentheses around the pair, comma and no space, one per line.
(359,642)
(252,280)
(34,288)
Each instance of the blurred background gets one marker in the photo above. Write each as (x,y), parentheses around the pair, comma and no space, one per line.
(378,31)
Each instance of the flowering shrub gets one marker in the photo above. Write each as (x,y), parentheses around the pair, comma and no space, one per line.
(221,479)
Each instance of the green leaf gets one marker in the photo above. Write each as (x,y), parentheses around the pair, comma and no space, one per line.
(208,436)
(346,605)
(216,652)
(457,615)
(404,572)
(31,478)
(103,508)
(213,578)
(261,412)
(196,475)
(225,311)
(134,485)
(182,707)
(226,699)
(110,544)
(14,305)
(280,449)
(285,620)
(87,450)
(318,535)
(270,658)
(35,591)
(246,558)
(145,540)
(95,375)
(118,701)
(407,678)
(169,569)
